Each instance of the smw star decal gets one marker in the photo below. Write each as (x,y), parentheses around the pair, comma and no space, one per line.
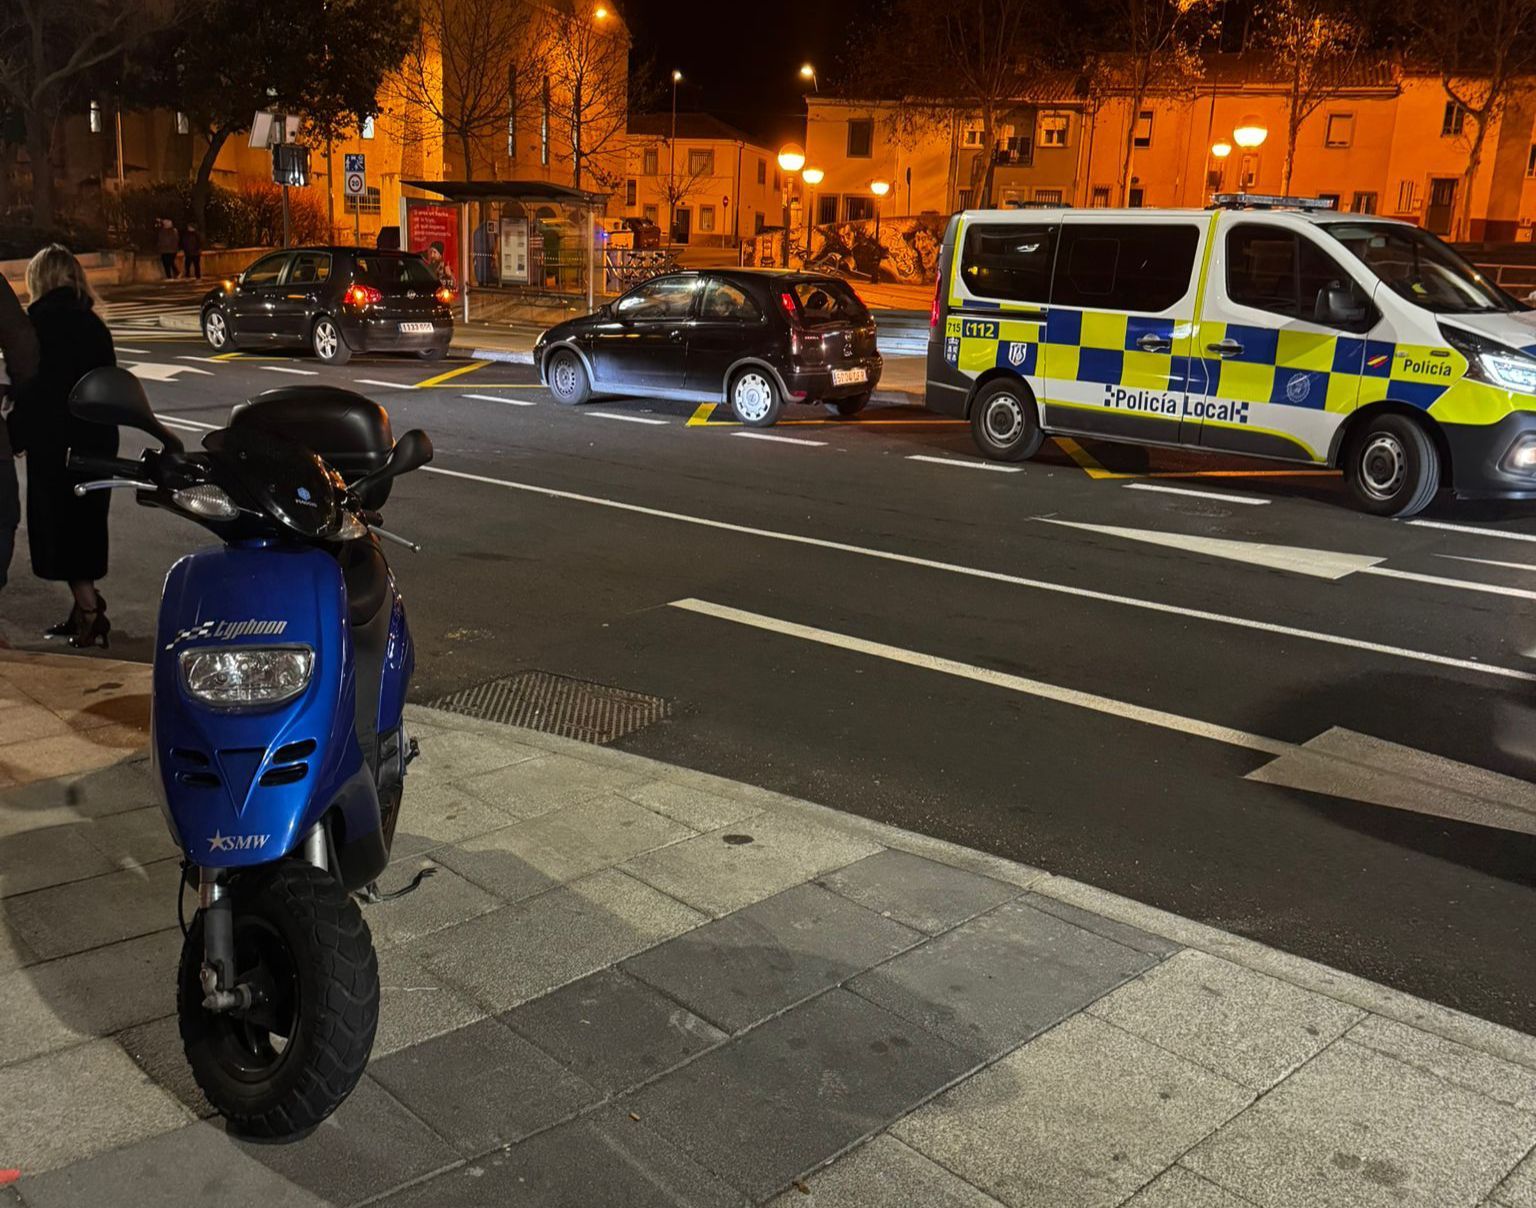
(218,842)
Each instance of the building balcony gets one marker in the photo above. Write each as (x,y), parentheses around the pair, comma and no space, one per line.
(1019,156)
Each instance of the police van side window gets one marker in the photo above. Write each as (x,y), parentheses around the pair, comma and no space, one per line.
(1273,269)
(1011,262)
(1143,266)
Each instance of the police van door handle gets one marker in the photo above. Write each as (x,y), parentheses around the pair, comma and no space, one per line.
(1152,342)
(1225,348)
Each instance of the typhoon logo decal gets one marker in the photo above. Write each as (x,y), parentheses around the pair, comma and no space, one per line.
(1298,387)
(227,631)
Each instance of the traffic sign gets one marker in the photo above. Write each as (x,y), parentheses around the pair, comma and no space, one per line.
(355,173)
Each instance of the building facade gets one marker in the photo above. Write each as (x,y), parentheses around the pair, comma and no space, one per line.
(711,186)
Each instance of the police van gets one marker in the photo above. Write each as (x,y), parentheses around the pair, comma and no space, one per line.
(1266,326)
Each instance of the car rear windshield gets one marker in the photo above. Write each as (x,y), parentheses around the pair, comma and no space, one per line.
(394,270)
(828,301)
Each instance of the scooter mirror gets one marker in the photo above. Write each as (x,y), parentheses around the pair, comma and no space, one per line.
(412,451)
(112,395)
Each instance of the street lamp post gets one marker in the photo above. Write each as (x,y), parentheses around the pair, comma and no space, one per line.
(812,178)
(1219,152)
(677,78)
(791,160)
(807,72)
(1249,135)
(879,188)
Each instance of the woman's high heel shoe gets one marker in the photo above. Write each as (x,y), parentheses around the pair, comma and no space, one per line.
(70,625)
(92,631)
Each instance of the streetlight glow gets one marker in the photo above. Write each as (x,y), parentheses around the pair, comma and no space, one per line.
(1250,133)
(677,76)
(1220,150)
(879,187)
(600,13)
(791,157)
(813,176)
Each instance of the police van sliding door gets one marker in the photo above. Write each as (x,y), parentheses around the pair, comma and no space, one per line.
(1119,331)
(1281,332)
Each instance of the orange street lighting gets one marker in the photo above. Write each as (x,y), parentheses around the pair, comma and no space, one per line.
(813,176)
(1221,150)
(807,72)
(879,187)
(677,76)
(600,13)
(1250,133)
(791,157)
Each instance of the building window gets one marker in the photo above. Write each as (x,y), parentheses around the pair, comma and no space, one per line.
(757,224)
(183,123)
(1142,137)
(762,171)
(1341,130)
(706,218)
(776,182)
(1135,198)
(1406,200)
(861,137)
(1363,203)
(543,126)
(1454,118)
(1053,130)
(1530,161)
(1331,198)
(858,208)
(1048,197)
(651,213)
(1100,198)
(650,162)
(973,135)
(366,130)
(630,191)
(826,209)
(964,200)
(512,110)
(701,162)
(95,117)
(369,203)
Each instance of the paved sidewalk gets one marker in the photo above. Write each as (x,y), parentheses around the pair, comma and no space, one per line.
(633,984)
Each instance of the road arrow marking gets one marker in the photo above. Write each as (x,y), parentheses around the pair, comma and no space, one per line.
(1338,763)
(149,371)
(1319,563)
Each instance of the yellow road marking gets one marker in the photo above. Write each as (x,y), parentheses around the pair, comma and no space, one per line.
(452,373)
(701,415)
(1085,460)
(229,356)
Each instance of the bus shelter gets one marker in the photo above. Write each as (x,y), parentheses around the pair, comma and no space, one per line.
(518,240)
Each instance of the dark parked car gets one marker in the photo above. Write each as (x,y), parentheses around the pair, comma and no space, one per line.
(335,300)
(755,340)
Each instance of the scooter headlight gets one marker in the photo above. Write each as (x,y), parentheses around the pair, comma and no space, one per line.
(246,675)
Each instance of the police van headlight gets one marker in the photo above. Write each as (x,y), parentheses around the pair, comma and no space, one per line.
(246,676)
(1492,362)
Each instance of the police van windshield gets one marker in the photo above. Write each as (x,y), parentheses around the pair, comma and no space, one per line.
(1421,268)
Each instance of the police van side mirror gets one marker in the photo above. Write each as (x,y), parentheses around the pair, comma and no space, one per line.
(1341,306)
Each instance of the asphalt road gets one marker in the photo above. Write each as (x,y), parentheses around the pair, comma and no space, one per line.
(1328,750)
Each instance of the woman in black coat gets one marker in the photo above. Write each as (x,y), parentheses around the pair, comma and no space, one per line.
(67,534)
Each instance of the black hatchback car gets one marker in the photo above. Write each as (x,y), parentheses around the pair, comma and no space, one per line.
(754,339)
(334,300)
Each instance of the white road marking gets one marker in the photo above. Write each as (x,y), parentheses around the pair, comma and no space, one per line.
(1338,762)
(289,369)
(143,352)
(1490,562)
(1320,563)
(628,419)
(511,402)
(1476,532)
(966,465)
(787,440)
(187,357)
(1081,593)
(1491,589)
(150,371)
(391,385)
(1221,495)
(196,425)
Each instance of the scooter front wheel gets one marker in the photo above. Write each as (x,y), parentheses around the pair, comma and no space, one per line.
(279,1067)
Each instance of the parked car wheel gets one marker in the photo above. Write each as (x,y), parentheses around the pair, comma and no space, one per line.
(1392,467)
(216,330)
(567,378)
(851,405)
(327,341)
(755,399)
(1005,422)
(433,354)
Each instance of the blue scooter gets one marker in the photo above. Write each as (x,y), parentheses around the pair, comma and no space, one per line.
(281,667)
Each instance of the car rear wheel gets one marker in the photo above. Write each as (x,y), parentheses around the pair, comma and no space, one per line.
(755,399)
(216,330)
(1393,467)
(851,405)
(327,341)
(1005,423)
(432,354)
(567,378)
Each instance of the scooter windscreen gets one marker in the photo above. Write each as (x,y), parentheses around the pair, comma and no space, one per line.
(283,478)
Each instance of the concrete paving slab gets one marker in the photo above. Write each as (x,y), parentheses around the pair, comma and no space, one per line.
(1249,1027)
(1179,1188)
(734,866)
(155,1047)
(884,1173)
(1110,929)
(697,808)
(1079,1118)
(529,948)
(921,893)
(415,1005)
(432,814)
(454,755)
(547,782)
(1519,1189)
(443,900)
(47,1119)
(1354,1128)
(13,953)
(600,1160)
(132,837)
(52,855)
(60,1003)
(752,964)
(368,1146)
(490,861)
(613,1031)
(64,919)
(994,982)
(482,1086)
(784,1098)
(1480,1072)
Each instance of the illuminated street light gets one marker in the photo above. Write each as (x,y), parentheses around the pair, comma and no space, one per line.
(879,188)
(813,176)
(1221,150)
(791,157)
(677,77)
(1250,133)
(600,13)
(807,72)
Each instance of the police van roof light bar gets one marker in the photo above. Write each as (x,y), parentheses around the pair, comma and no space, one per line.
(1269,201)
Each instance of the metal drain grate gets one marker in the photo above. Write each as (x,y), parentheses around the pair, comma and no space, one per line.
(557,704)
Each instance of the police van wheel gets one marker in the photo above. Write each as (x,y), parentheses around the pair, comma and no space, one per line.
(1004,423)
(1393,467)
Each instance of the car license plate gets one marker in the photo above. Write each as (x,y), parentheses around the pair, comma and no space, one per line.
(415,329)
(846,377)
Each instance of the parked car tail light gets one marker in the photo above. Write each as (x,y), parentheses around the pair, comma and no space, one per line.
(933,311)
(445,296)
(787,304)
(363,295)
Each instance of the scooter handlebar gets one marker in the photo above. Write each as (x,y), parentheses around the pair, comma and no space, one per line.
(105,467)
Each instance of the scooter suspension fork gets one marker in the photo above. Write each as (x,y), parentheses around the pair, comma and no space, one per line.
(218,973)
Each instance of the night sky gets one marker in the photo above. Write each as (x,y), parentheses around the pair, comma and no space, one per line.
(740,61)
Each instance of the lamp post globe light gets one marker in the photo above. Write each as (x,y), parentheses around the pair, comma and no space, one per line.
(807,72)
(879,188)
(1250,133)
(791,160)
(812,178)
(1220,150)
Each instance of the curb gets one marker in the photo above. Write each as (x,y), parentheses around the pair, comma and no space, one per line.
(180,323)
(507,356)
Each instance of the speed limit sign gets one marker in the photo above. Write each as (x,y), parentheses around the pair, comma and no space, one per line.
(355,182)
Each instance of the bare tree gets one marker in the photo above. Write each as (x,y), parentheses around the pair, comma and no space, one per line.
(585,61)
(46,46)
(1316,43)
(1484,52)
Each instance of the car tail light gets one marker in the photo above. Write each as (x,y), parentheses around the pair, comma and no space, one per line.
(363,295)
(445,296)
(787,304)
(933,311)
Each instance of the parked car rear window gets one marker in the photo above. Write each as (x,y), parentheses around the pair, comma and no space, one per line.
(1142,266)
(828,301)
(395,270)
(1012,261)
(266,270)
(309,268)
(724,300)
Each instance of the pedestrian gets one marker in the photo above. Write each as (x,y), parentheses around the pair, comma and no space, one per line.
(67,534)
(191,252)
(18,344)
(166,243)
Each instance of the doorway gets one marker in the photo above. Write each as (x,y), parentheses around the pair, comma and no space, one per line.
(1442,204)
(682,224)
